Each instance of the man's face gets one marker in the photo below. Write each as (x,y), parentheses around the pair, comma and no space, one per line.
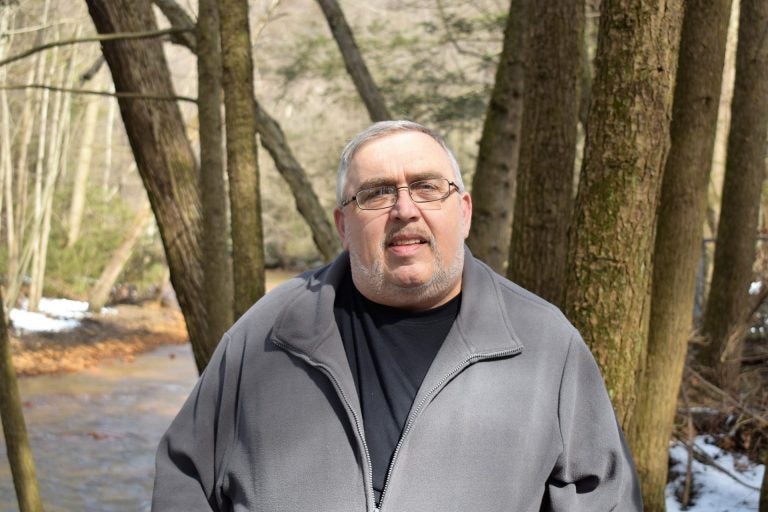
(411,255)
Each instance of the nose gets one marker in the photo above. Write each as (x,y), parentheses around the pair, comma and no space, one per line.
(404,207)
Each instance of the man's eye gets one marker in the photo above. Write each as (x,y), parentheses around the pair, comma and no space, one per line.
(379,191)
(424,186)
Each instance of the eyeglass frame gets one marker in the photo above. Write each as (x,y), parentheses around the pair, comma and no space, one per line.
(397,194)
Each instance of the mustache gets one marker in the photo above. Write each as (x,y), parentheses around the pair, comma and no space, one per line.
(409,232)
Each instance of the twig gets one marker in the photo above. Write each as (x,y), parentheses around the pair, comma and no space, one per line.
(704,458)
(129,95)
(686,500)
(118,36)
(727,396)
(93,69)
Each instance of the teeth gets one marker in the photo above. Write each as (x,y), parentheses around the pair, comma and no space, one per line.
(406,242)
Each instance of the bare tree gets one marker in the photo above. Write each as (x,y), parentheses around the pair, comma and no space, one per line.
(217,265)
(724,322)
(611,245)
(80,181)
(544,198)
(242,160)
(16,440)
(678,239)
(493,184)
(51,150)
(163,154)
(354,62)
(100,292)
(274,141)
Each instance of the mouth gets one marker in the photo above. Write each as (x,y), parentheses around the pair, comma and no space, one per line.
(406,243)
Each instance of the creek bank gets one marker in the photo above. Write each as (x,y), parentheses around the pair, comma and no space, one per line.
(119,334)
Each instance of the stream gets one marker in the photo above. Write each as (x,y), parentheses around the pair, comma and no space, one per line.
(94,433)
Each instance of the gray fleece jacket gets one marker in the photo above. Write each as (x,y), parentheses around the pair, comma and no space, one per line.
(513,415)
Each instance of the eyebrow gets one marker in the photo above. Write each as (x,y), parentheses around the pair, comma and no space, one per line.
(379,182)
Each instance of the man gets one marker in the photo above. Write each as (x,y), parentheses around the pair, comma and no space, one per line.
(405,376)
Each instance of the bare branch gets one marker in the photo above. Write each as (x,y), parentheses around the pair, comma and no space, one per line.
(354,62)
(179,18)
(702,456)
(93,69)
(99,38)
(129,95)
(265,19)
(727,396)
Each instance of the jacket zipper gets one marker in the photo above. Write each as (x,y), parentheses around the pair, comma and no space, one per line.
(422,403)
(358,424)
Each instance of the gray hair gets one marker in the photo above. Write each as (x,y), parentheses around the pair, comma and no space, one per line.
(379,130)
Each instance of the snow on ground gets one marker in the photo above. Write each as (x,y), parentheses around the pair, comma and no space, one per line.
(54,315)
(714,491)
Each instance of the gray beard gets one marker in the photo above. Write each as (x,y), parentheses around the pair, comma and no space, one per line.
(443,279)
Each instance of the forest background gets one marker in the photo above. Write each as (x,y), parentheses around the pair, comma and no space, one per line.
(596,140)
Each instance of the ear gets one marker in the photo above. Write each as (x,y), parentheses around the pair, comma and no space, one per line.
(341,228)
(466,212)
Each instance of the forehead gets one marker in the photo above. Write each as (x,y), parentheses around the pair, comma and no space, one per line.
(398,157)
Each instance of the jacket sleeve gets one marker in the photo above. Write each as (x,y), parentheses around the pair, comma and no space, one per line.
(186,465)
(594,472)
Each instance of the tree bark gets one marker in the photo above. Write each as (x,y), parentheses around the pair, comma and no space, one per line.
(354,62)
(242,161)
(678,239)
(178,17)
(544,198)
(217,266)
(15,430)
(163,154)
(493,184)
(100,292)
(274,141)
(723,324)
(611,246)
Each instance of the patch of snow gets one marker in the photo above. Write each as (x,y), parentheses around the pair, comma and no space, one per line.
(29,321)
(755,287)
(54,315)
(713,490)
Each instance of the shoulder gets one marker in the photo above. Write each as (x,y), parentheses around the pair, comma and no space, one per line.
(259,319)
(532,319)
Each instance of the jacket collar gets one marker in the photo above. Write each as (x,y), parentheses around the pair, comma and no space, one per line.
(307,323)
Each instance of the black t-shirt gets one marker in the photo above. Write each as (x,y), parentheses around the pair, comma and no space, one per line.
(389,351)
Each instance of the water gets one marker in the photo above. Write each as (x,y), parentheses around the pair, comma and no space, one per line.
(94,433)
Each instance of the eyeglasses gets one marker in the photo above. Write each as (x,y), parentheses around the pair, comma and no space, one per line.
(385,196)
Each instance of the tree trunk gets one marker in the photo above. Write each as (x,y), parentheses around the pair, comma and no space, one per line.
(80,181)
(273,140)
(217,267)
(55,162)
(37,219)
(163,154)
(15,430)
(539,244)
(242,161)
(354,62)
(678,239)
(493,184)
(100,292)
(611,246)
(724,324)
